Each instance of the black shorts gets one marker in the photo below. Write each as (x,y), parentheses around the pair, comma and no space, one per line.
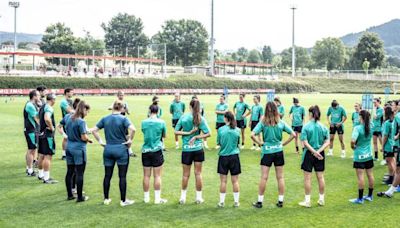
(241,124)
(388,154)
(364,165)
(333,129)
(395,149)
(47,146)
(297,129)
(189,157)
(276,158)
(310,162)
(398,159)
(174,122)
(253,124)
(31,140)
(219,125)
(153,159)
(230,164)
(377,133)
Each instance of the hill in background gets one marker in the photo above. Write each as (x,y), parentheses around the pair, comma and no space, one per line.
(389,32)
(21,37)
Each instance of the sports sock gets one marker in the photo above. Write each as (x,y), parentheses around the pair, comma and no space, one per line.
(376,154)
(260,198)
(30,170)
(236,197)
(41,173)
(280,198)
(63,153)
(157,195)
(222,197)
(307,198)
(46,175)
(370,192)
(297,148)
(199,195)
(360,194)
(322,197)
(146,196)
(391,190)
(183,194)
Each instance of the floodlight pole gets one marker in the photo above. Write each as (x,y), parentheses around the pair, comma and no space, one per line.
(212,40)
(293,8)
(15,5)
(165,60)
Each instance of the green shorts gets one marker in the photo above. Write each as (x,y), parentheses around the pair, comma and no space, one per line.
(115,154)
(75,157)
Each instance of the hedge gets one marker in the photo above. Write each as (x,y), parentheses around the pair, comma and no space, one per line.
(152,83)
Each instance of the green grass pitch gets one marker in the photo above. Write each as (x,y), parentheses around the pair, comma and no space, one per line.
(26,202)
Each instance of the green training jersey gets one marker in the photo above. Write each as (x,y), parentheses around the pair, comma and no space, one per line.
(30,112)
(363,150)
(315,134)
(221,107)
(154,130)
(336,114)
(240,108)
(256,112)
(185,123)
(65,103)
(177,109)
(281,110)
(387,131)
(229,140)
(355,118)
(298,114)
(272,136)
(395,128)
(378,120)
(159,114)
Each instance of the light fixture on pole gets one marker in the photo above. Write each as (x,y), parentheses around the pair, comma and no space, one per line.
(293,8)
(15,5)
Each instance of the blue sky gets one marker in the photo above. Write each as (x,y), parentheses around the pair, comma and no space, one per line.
(250,23)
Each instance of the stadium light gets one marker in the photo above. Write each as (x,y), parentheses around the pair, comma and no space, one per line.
(212,40)
(15,5)
(293,8)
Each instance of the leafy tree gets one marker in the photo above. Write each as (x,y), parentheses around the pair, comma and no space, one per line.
(186,40)
(329,53)
(303,59)
(23,45)
(393,61)
(277,61)
(58,38)
(267,54)
(8,42)
(254,56)
(125,31)
(369,47)
(242,54)
(87,44)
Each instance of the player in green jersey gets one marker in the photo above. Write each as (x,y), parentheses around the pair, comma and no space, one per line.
(388,142)
(220,110)
(297,114)
(377,120)
(336,117)
(355,116)
(256,113)
(193,128)
(229,138)
(272,128)
(241,109)
(154,131)
(202,112)
(66,108)
(281,108)
(315,138)
(177,109)
(361,144)
(31,125)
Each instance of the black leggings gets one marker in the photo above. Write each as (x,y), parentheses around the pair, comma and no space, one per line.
(122,170)
(78,170)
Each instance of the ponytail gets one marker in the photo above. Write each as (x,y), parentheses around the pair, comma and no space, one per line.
(231,119)
(365,116)
(195,105)
(315,112)
(388,112)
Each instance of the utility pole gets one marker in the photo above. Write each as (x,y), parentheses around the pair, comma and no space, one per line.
(15,5)
(212,40)
(293,8)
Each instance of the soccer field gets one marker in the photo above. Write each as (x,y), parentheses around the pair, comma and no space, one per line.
(24,201)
